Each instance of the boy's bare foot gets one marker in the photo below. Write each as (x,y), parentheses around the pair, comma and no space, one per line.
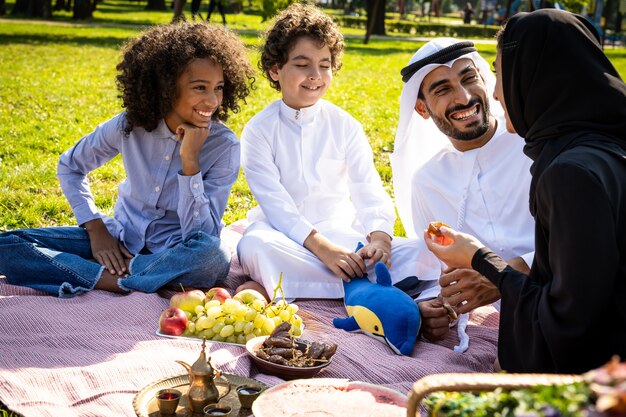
(253,285)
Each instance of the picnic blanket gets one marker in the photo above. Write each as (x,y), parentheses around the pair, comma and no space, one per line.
(90,355)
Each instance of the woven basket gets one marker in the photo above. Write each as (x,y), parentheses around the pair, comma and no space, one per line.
(479,382)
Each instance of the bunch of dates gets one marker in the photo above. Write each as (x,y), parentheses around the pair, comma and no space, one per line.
(283,349)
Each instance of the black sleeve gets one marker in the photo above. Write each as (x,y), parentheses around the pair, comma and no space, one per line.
(557,319)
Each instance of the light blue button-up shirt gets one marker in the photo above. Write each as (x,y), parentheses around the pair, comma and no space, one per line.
(157,206)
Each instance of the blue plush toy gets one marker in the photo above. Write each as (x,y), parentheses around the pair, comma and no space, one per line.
(381,310)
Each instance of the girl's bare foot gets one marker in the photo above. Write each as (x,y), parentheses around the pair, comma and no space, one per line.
(108,281)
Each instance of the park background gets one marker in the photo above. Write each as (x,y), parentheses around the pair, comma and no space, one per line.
(57,83)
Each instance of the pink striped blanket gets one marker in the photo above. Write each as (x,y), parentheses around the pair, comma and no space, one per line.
(90,355)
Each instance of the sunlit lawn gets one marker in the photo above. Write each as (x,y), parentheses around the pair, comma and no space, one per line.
(57,84)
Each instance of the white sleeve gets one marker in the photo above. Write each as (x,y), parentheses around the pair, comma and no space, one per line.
(374,207)
(528,258)
(263,178)
(421,212)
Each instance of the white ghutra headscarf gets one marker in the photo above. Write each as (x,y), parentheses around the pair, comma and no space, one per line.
(419,139)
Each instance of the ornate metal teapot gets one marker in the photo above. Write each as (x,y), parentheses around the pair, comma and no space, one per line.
(202,388)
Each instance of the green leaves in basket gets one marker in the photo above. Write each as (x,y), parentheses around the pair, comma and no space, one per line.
(540,401)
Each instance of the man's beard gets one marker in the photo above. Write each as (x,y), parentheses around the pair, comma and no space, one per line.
(473,131)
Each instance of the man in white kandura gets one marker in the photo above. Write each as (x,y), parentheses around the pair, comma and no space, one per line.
(455,162)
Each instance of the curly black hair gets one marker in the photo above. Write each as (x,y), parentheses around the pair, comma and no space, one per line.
(296,21)
(152,63)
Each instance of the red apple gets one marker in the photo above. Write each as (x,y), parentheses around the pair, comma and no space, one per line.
(188,300)
(173,321)
(217,293)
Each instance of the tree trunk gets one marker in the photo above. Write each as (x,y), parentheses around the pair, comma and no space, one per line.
(507,12)
(83,9)
(3,8)
(179,15)
(375,19)
(156,5)
(33,8)
(62,5)
(435,8)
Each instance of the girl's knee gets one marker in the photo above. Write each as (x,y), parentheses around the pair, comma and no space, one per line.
(211,255)
(203,242)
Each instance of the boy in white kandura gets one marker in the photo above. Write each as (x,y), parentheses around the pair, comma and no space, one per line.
(310,167)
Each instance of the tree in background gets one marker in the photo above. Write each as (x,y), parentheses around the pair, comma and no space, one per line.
(375,19)
(269,8)
(33,8)
(156,5)
(83,9)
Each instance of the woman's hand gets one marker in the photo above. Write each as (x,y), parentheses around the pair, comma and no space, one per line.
(192,139)
(107,250)
(457,254)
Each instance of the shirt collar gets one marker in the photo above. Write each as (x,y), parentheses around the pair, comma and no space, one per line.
(303,116)
(163,132)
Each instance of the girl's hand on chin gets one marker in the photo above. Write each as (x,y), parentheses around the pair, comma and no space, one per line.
(458,250)
(192,139)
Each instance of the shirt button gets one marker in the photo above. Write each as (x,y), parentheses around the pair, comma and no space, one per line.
(195,185)
(196,213)
(157,188)
(167,157)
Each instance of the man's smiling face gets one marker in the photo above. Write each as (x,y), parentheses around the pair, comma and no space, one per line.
(456,98)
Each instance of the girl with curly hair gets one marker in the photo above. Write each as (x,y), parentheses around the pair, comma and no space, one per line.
(310,167)
(177,84)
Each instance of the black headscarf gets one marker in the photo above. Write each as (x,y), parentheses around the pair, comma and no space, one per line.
(559,87)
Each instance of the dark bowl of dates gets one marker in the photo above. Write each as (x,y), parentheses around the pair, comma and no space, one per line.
(290,362)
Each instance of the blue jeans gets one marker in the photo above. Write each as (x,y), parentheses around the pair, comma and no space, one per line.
(58,260)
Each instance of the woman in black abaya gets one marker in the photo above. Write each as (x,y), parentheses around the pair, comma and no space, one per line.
(561,93)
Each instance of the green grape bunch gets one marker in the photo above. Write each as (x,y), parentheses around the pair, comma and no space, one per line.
(219,317)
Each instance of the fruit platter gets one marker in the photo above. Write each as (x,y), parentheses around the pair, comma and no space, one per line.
(216,316)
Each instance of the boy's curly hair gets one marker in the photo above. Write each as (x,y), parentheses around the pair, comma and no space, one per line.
(297,21)
(152,63)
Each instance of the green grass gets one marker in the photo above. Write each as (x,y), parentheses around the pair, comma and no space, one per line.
(57,84)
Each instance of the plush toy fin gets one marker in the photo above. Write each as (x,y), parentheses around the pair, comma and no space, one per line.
(348,324)
(383,277)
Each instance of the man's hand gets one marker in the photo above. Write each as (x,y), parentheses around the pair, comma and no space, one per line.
(106,249)
(378,250)
(466,289)
(343,262)
(435,320)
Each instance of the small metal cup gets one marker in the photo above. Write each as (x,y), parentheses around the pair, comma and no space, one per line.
(217,409)
(247,394)
(167,400)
